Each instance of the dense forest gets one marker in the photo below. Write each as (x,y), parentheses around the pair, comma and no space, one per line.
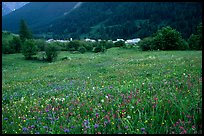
(127,20)
(112,20)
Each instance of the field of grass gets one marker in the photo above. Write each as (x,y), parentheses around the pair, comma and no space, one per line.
(116,92)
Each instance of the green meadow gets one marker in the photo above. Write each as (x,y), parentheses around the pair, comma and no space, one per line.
(121,91)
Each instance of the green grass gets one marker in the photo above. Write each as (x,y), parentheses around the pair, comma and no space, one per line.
(121,91)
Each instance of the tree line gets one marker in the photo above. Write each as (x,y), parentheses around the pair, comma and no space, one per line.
(165,38)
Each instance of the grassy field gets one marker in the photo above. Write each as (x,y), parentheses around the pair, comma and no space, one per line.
(117,92)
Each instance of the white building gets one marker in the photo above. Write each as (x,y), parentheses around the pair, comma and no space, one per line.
(89,40)
(132,41)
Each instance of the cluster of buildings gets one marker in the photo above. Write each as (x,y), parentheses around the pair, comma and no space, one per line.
(130,41)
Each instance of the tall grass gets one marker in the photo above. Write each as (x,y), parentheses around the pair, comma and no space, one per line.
(120,91)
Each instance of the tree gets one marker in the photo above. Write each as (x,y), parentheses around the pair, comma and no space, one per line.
(29,49)
(119,44)
(146,44)
(169,39)
(24,32)
(195,40)
(16,43)
(51,52)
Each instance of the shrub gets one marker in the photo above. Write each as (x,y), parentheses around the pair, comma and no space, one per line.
(119,44)
(6,48)
(51,52)
(109,45)
(15,43)
(193,42)
(88,46)
(168,39)
(73,45)
(146,44)
(82,49)
(100,47)
(41,44)
(29,49)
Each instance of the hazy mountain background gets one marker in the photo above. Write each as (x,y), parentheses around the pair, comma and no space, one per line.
(104,20)
(8,7)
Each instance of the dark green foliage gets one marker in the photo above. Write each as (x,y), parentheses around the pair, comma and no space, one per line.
(51,52)
(16,44)
(24,32)
(146,44)
(82,49)
(62,46)
(164,39)
(195,40)
(6,48)
(41,44)
(29,48)
(119,44)
(168,39)
(107,19)
(10,43)
(109,45)
(89,46)
(73,45)
(100,47)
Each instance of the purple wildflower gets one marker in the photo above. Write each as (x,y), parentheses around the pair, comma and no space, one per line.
(32,126)
(5,118)
(126,127)
(110,87)
(96,126)
(72,127)
(142,129)
(25,129)
(66,130)
(45,127)
(37,133)
(86,122)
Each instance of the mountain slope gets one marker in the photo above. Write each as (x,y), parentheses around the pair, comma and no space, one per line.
(35,14)
(111,20)
(127,19)
(8,7)
(5,9)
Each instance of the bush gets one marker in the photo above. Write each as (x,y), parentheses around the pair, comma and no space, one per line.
(195,40)
(168,39)
(41,44)
(6,48)
(146,44)
(88,46)
(119,44)
(100,47)
(109,45)
(73,45)
(16,44)
(29,48)
(82,49)
(51,52)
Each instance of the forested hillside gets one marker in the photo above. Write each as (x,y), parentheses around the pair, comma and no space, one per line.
(111,20)
(36,14)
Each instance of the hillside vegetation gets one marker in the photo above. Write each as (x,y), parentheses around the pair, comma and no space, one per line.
(106,20)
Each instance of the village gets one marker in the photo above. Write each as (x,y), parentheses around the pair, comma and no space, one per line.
(130,41)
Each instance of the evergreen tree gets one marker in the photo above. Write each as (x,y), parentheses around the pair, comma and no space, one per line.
(25,33)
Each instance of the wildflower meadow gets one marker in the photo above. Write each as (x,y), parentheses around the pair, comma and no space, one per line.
(121,91)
